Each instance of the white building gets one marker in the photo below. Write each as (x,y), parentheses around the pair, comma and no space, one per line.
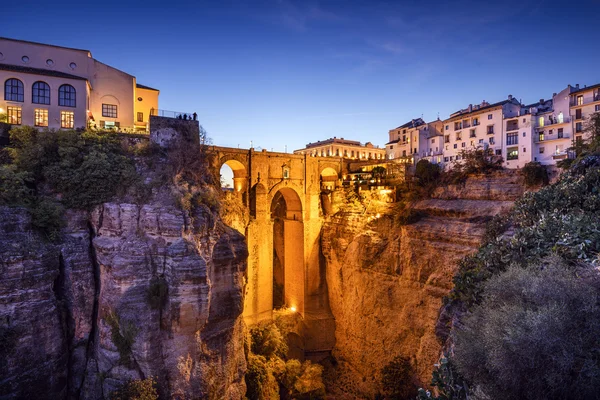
(478,126)
(415,140)
(60,87)
(340,147)
(583,103)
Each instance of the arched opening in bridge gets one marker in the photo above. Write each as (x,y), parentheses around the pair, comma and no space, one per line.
(233,176)
(329,177)
(288,250)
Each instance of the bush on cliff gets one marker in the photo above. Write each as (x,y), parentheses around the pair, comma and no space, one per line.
(534,174)
(137,389)
(525,306)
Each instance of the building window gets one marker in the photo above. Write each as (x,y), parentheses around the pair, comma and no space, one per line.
(549,131)
(458,136)
(447,127)
(456,145)
(498,152)
(447,139)
(489,116)
(480,140)
(463,144)
(140,117)
(475,121)
(579,127)
(580,100)
(490,129)
(561,118)
(445,159)
(492,141)
(67,119)
(67,96)
(578,114)
(541,121)
(40,93)
(13,115)
(524,134)
(541,150)
(512,153)
(512,138)
(13,90)
(541,137)
(560,133)
(457,125)
(524,150)
(110,111)
(472,133)
(41,117)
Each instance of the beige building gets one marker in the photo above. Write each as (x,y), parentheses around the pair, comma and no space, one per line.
(415,140)
(340,147)
(60,87)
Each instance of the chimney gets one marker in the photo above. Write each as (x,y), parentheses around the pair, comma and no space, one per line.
(470,107)
(577,86)
(553,94)
(510,96)
(541,101)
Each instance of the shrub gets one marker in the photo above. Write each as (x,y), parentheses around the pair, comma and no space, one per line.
(446,381)
(260,383)
(427,173)
(138,389)
(47,217)
(301,380)
(86,168)
(534,335)
(534,174)
(13,186)
(123,336)
(157,292)
(398,379)
(268,341)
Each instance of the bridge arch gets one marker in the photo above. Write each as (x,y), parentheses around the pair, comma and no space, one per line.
(288,249)
(240,173)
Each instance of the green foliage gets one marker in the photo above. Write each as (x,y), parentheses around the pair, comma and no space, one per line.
(378,172)
(86,168)
(13,186)
(268,341)
(560,218)
(157,292)
(534,335)
(300,380)
(534,174)
(446,381)
(138,389)
(475,161)
(123,335)
(2,117)
(47,217)
(398,379)
(427,173)
(260,382)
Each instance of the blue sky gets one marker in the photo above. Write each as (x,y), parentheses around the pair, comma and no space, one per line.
(285,73)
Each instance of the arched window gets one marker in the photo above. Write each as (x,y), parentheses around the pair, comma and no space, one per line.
(66,96)
(13,90)
(40,93)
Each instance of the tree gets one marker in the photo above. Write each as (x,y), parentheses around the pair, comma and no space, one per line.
(426,172)
(534,336)
(398,379)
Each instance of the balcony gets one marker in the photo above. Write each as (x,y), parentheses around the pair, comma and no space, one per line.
(554,121)
(555,136)
(512,126)
(573,102)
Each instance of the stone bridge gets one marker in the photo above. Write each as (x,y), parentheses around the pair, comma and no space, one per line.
(282,193)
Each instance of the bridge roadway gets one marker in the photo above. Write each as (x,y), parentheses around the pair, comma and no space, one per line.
(282,192)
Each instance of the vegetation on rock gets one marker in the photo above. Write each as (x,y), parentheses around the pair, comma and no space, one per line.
(138,389)
(123,335)
(534,174)
(271,376)
(398,379)
(525,306)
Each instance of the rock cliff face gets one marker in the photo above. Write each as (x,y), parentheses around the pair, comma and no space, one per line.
(131,291)
(386,282)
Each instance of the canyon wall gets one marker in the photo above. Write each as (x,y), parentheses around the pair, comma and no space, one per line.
(129,292)
(386,281)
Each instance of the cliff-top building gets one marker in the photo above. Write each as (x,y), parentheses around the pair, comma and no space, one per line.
(340,147)
(415,140)
(60,87)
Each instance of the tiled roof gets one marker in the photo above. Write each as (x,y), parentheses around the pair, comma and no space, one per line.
(585,88)
(145,87)
(39,71)
(412,123)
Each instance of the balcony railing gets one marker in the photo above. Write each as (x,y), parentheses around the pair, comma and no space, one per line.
(555,136)
(593,99)
(554,121)
(174,114)
(512,127)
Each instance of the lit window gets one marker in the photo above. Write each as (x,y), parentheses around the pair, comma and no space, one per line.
(41,117)
(561,117)
(541,121)
(67,96)
(40,93)
(67,119)
(13,90)
(512,153)
(140,116)
(580,100)
(13,115)
(109,110)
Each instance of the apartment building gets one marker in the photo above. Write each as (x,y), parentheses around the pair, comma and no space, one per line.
(583,102)
(340,147)
(478,126)
(415,140)
(58,87)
